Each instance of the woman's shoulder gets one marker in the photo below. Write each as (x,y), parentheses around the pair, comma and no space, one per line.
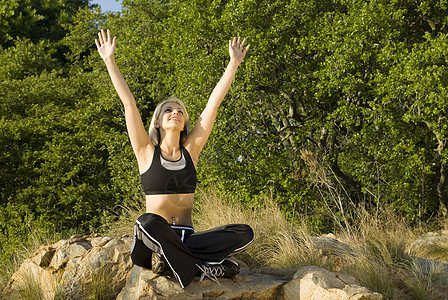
(191,152)
(145,159)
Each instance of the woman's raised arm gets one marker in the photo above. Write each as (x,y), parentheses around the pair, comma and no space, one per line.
(203,127)
(140,140)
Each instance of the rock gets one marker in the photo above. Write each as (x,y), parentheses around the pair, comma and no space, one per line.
(333,252)
(44,256)
(70,267)
(144,284)
(428,266)
(328,243)
(316,283)
(427,240)
(431,245)
(91,267)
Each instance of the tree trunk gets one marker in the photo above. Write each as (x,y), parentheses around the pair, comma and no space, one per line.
(441,191)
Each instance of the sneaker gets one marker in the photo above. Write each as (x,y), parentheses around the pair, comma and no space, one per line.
(227,269)
(159,264)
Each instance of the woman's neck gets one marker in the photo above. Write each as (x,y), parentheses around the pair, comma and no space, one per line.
(169,143)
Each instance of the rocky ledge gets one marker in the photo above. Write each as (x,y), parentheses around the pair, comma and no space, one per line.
(81,266)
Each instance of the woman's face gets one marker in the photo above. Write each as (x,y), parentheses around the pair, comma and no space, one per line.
(172,115)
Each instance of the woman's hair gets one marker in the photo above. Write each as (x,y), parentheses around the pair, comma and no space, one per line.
(154,134)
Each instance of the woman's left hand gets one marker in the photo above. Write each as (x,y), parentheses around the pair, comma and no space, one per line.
(105,44)
(236,49)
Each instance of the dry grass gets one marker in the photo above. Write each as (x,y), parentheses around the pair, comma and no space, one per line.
(29,285)
(435,250)
(124,224)
(423,278)
(378,243)
(380,259)
(98,285)
(30,289)
(278,243)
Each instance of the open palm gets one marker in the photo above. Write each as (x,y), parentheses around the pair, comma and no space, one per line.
(236,49)
(106,46)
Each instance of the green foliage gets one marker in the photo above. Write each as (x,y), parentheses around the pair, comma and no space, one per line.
(36,19)
(66,158)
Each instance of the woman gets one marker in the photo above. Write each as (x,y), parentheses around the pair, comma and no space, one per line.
(167,158)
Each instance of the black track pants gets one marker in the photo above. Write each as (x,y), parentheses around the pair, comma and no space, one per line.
(182,248)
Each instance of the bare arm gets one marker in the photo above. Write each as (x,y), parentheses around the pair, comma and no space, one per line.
(203,127)
(140,140)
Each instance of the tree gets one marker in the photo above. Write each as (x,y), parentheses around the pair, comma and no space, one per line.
(61,136)
(36,19)
(317,77)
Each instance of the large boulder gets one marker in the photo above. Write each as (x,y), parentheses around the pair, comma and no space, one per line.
(144,284)
(312,282)
(70,269)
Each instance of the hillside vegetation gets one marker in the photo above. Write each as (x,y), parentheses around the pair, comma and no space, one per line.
(339,107)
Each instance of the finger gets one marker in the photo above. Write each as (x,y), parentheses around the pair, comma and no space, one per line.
(234,41)
(100,38)
(97,44)
(245,50)
(242,44)
(108,35)
(238,44)
(103,35)
(114,41)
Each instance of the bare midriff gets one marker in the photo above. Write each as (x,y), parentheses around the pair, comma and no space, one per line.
(174,208)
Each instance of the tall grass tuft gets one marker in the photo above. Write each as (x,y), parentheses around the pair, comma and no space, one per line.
(32,242)
(98,285)
(379,240)
(379,249)
(437,250)
(277,244)
(30,289)
(422,279)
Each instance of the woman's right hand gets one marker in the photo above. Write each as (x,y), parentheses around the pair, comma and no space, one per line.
(106,46)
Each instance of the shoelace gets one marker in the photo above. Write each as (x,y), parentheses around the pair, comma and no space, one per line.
(212,272)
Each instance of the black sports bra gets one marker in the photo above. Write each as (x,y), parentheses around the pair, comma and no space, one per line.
(159,180)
